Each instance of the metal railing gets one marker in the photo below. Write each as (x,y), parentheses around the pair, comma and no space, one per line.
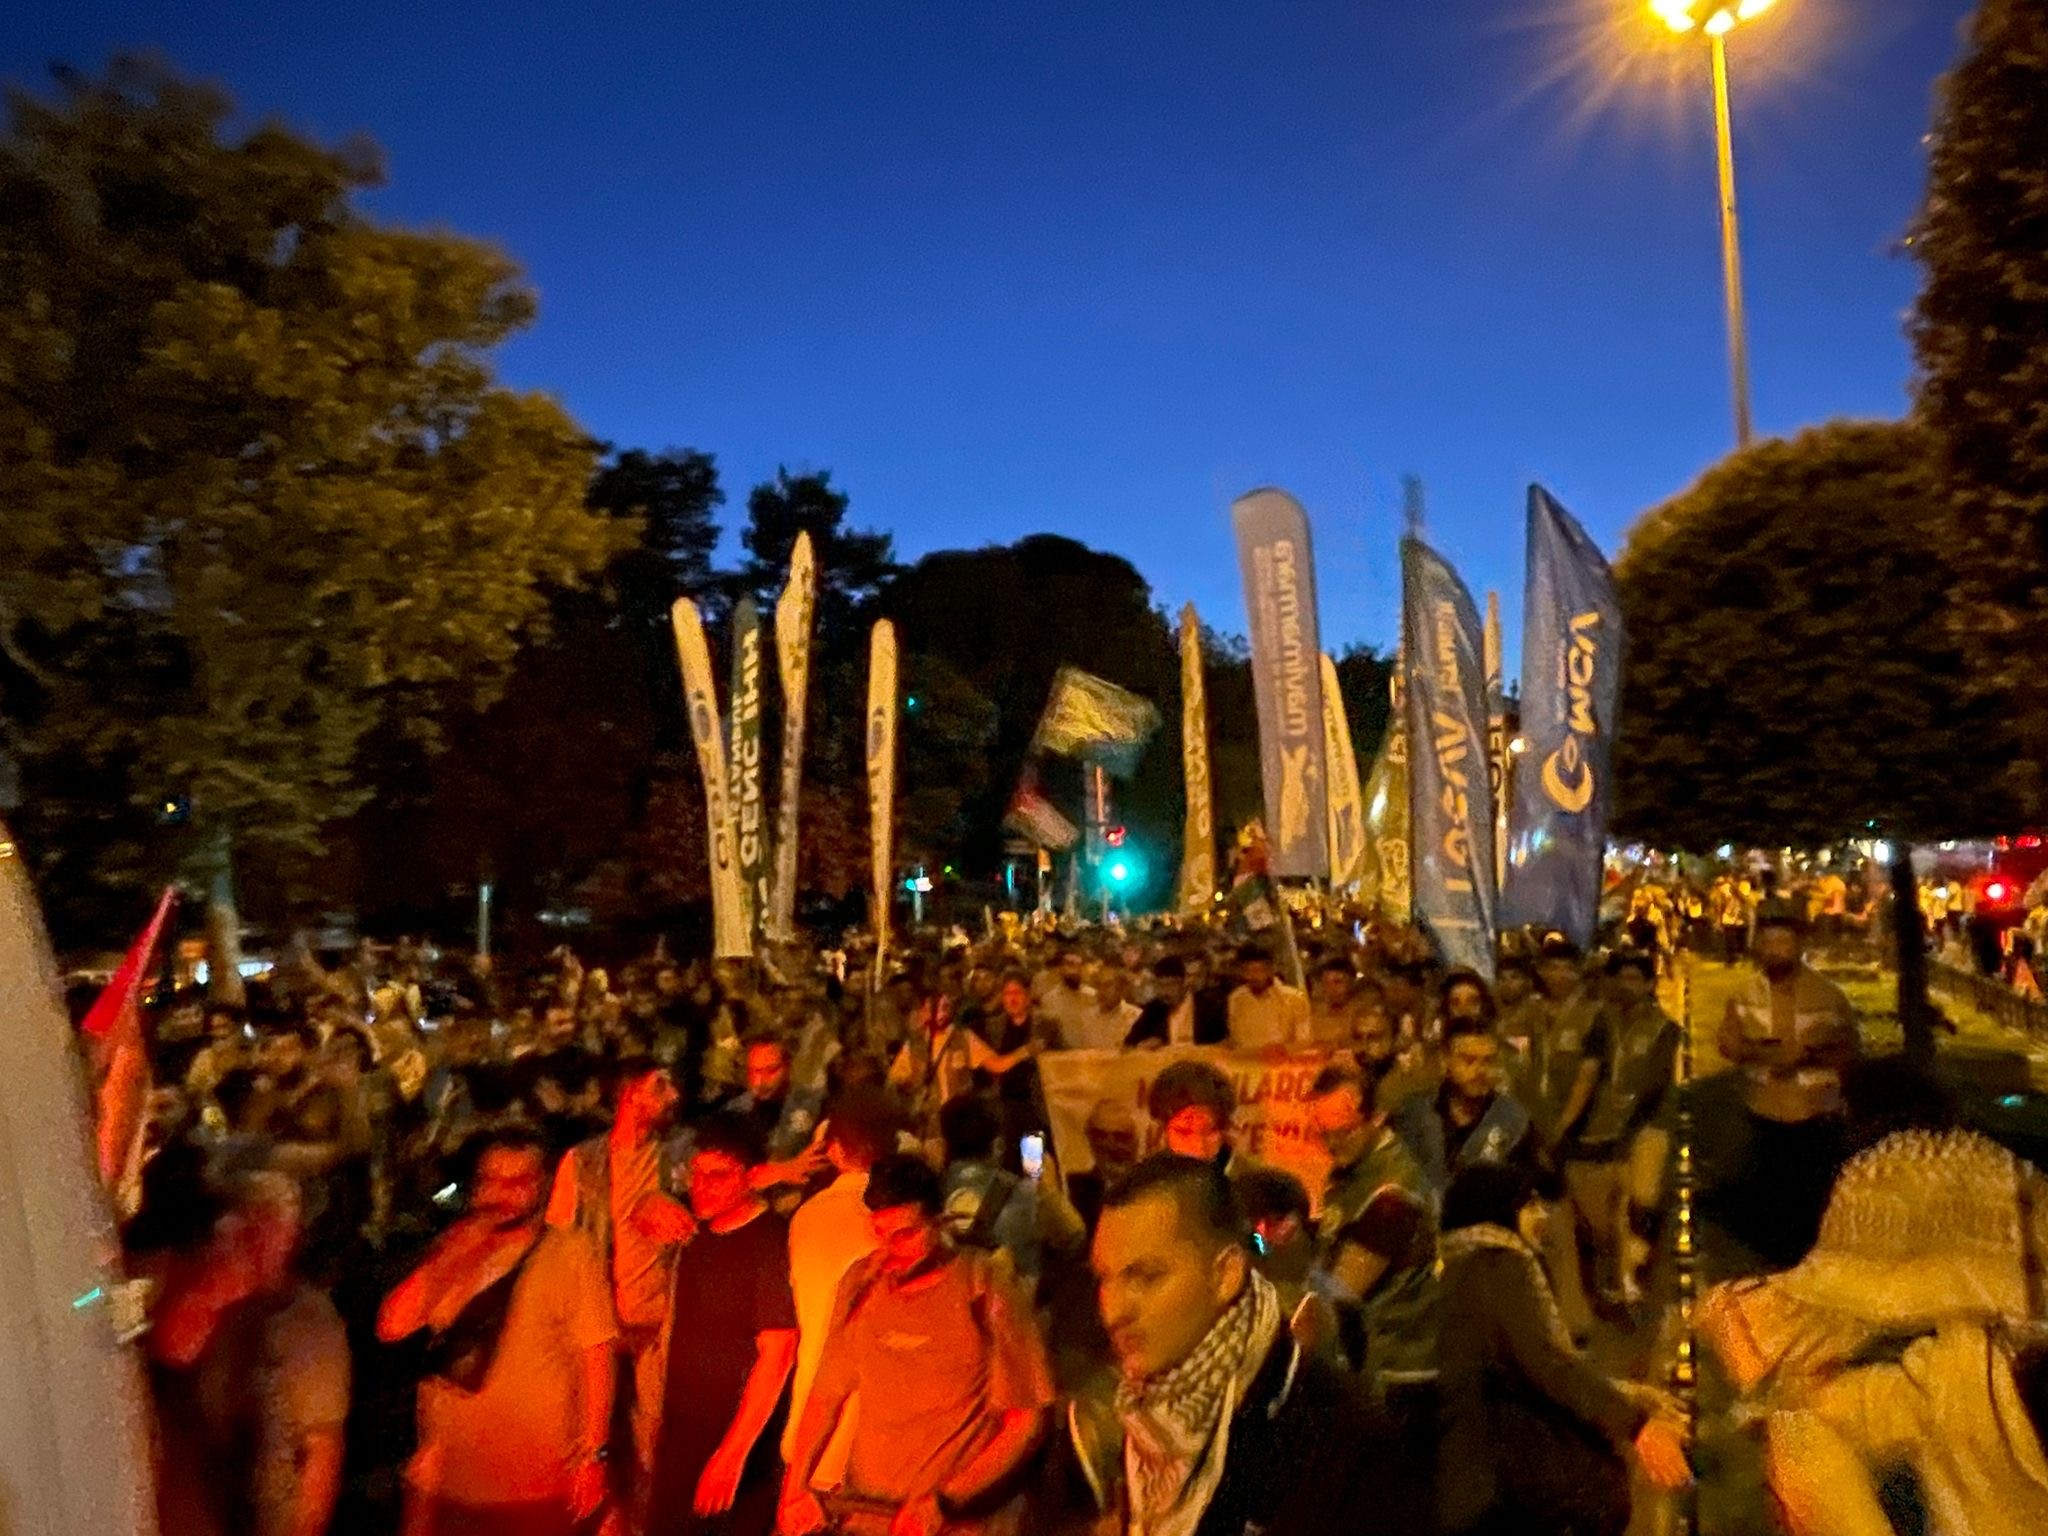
(1989,995)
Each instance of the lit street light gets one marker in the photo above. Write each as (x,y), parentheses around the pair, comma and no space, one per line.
(1717,18)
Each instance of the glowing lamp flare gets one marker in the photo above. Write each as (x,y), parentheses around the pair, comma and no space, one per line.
(1714,17)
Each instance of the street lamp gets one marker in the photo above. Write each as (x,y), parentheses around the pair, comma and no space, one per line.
(1717,18)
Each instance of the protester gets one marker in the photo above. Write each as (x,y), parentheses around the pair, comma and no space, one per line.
(1471,1119)
(987,1208)
(1334,1015)
(1109,1023)
(1532,1434)
(1228,1425)
(515,1411)
(1377,1240)
(1066,1004)
(1615,1178)
(1195,1107)
(252,1379)
(831,1231)
(718,1466)
(1276,1209)
(613,1189)
(1792,1033)
(952,1380)
(1264,1011)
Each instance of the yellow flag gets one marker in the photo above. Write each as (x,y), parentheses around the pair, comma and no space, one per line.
(793,616)
(1346,801)
(700,699)
(1198,858)
(882,779)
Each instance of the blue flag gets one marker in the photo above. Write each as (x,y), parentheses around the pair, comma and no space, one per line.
(1571,691)
(1450,799)
(1287,678)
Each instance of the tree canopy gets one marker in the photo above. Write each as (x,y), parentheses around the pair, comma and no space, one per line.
(264,496)
(1980,332)
(1793,676)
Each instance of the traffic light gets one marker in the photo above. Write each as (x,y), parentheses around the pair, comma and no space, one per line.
(1120,872)
(1113,836)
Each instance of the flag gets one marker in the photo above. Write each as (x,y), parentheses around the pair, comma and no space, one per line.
(743,770)
(1198,855)
(881,752)
(1347,801)
(1032,815)
(74,1426)
(1088,718)
(1571,691)
(1280,601)
(700,698)
(793,618)
(1386,873)
(1450,803)
(120,1061)
(1497,735)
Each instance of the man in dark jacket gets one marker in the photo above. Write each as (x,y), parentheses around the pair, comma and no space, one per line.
(1228,1427)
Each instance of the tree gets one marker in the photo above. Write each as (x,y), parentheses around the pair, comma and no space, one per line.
(1791,677)
(254,442)
(853,565)
(1003,620)
(1980,332)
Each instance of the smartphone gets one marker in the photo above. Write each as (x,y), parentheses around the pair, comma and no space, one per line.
(1031,1153)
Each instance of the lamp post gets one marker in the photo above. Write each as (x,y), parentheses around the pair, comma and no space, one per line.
(1717,18)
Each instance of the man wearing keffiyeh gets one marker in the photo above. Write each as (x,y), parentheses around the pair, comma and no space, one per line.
(1228,1428)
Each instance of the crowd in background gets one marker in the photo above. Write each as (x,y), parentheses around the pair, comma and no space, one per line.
(695,1247)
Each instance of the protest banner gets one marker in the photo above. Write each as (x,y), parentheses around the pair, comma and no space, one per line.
(794,613)
(700,701)
(1347,800)
(1271,1124)
(743,768)
(1287,679)
(1197,884)
(881,756)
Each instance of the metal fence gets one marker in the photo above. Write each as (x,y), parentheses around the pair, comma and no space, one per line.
(1988,995)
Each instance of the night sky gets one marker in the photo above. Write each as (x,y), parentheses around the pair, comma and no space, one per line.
(1097,267)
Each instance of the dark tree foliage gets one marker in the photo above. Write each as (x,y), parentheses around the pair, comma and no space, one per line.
(1793,678)
(1980,331)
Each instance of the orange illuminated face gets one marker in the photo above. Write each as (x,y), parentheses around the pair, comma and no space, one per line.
(1195,1132)
(906,1235)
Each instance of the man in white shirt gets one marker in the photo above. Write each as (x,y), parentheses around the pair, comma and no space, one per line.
(1264,1011)
(1105,1026)
(1067,1004)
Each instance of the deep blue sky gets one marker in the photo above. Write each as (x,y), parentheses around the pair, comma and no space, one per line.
(1098,267)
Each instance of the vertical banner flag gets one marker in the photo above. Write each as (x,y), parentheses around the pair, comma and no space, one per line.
(1497,735)
(1450,804)
(74,1422)
(1347,801)
(1571,689)
(794,613)
(1198,856)
(882,779)
(1280,601)
(1386,877)
(743,770)
(700,699)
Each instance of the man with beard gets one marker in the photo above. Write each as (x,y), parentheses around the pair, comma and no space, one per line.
(614,1189)
(516,1408)
(952,1380)
(1792,1033)
(1229,1426)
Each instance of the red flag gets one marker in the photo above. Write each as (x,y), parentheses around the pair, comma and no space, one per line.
(120,1058)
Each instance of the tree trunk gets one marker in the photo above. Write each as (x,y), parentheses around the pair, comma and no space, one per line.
(223,929)
(1909,936)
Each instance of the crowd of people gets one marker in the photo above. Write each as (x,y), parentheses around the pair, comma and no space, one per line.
(754,1247)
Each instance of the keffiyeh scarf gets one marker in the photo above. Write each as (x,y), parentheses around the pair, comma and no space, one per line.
(1176,1425)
